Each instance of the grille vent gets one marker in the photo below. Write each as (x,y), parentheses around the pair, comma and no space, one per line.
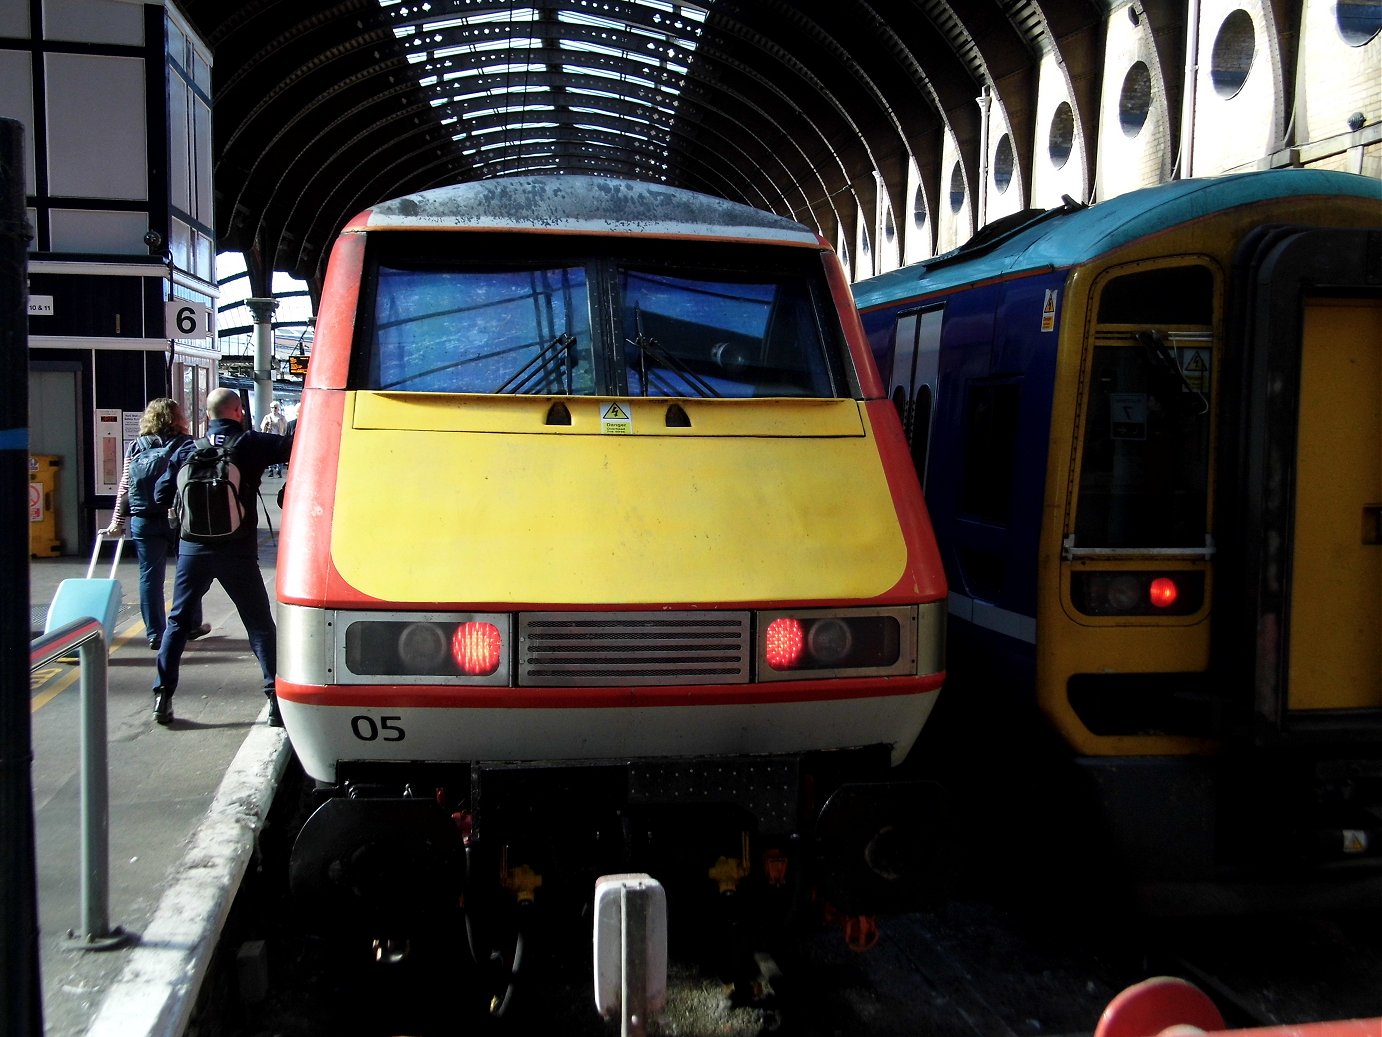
(590,649)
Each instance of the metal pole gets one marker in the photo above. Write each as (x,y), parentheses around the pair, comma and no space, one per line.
(262,310)
(21,992)
(86,636)
(95,792)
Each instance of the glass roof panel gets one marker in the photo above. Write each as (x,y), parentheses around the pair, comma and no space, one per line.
(645,50)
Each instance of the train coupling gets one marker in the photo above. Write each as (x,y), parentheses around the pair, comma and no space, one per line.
(881,847)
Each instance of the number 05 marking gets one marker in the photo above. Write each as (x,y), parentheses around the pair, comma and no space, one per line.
(367,730)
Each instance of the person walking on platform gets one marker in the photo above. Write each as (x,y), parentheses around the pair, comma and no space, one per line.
(232,560)
(276,422)
(162,430)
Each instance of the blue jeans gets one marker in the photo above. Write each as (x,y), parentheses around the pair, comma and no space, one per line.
(155,541)
(240,576)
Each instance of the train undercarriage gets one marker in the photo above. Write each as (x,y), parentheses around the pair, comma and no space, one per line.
(746,848)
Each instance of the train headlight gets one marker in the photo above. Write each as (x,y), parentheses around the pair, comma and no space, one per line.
(845,643)
(424,648)
(1132,593)
(1124,593)
(830,641)
(421,648)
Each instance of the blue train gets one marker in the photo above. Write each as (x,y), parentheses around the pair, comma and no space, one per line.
(1148,433)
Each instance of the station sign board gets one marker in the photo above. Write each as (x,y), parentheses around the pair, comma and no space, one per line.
(186,319)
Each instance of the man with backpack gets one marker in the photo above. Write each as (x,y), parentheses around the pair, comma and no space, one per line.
(162,430)
(217,487)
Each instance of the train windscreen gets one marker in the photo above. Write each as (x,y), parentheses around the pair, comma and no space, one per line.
(675,324)
(1144,479)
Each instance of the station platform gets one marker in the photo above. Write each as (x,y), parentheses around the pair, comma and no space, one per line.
(185,803)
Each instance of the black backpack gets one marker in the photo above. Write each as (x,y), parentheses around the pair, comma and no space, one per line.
(146,465)
(208,502)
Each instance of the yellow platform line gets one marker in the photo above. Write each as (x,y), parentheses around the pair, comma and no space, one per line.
(63,676)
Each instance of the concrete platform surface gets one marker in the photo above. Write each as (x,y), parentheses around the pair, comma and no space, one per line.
(185,802)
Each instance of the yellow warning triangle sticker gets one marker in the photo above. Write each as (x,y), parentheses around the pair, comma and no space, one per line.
(1196,362)
(615,413)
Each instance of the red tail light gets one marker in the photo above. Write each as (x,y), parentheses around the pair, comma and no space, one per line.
(477,648)
(1163,592)
(783,643)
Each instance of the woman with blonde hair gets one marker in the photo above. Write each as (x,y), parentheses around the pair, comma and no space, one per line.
(162,429)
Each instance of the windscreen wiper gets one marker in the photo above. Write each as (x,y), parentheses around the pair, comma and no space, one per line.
(648,346)
(559,349)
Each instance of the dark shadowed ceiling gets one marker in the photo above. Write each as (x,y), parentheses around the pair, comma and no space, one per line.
(801,107)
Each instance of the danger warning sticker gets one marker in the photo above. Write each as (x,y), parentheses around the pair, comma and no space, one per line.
(616,419)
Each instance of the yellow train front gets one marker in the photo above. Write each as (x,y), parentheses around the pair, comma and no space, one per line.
(601,553)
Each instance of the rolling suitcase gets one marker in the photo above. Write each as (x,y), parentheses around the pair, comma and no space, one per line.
(95,598)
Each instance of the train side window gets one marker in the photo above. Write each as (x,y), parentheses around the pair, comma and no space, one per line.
(921,430)
(990,447)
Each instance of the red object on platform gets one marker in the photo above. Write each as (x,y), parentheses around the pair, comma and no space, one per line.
(1147,1008)
(1169,1007)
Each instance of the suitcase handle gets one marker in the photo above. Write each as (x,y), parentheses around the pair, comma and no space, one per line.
(96,552)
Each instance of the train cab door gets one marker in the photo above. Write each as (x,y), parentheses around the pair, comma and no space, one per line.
(916,363)
(1335,648)
(1315,345)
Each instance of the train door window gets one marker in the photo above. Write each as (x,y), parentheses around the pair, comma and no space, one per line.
(1145,457)
(916,364)
(904,365)
(990,446)
(715,333)
(486,329)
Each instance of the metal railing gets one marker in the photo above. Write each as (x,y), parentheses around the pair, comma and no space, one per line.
(86,638)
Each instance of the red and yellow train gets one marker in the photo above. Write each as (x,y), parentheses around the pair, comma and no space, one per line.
(602,552)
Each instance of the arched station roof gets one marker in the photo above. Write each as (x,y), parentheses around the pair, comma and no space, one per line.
(800,107)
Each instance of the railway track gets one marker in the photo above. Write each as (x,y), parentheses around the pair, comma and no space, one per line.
(991,960)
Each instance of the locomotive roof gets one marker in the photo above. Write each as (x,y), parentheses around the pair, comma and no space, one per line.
(1063,237)
(584,204)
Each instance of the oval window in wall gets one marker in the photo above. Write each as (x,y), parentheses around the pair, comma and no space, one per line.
(1358,20)
(1003,164)
(1234,47)
(1061,140)
(957,188)
(1135,100)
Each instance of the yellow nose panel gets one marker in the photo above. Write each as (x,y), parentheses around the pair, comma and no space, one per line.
(452,500)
